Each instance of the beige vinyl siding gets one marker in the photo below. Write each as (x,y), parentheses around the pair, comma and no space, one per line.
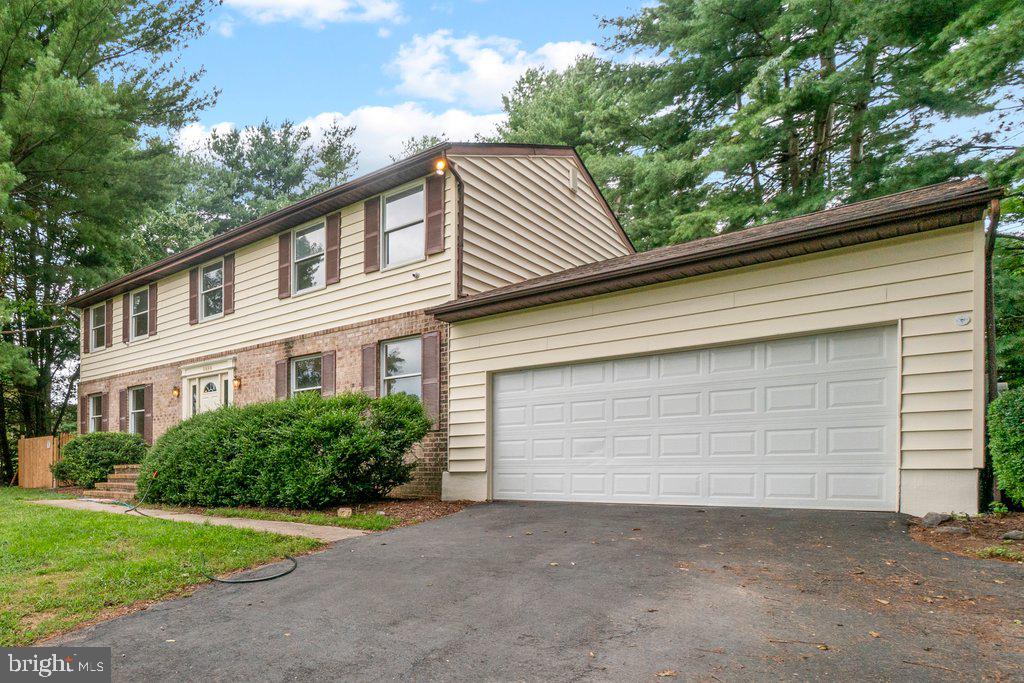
(919,282)
(521,219)
(260,316)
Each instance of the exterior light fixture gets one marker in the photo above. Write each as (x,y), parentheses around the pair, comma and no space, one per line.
(175,392)
(237,383)
(439,166)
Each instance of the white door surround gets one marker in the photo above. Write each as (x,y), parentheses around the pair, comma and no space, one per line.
(207,386)
(807,422)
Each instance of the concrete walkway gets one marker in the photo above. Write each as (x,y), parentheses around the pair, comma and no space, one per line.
(328,534)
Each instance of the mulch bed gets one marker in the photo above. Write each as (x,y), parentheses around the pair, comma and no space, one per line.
(984,532)
(413,510)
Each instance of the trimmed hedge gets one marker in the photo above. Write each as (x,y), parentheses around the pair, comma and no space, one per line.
(90,458)
(303,452)
(1006,442)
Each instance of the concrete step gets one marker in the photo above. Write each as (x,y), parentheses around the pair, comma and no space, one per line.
(110,495)
(124,476)
(127,469)
(116,486)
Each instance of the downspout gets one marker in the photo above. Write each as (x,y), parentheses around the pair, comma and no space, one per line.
(990,487)
(459,218)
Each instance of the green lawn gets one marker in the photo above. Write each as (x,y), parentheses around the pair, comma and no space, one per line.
(59,568)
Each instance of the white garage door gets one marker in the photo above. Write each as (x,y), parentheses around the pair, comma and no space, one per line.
(802,422)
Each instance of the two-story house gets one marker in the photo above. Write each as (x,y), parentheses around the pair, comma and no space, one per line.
(834,360)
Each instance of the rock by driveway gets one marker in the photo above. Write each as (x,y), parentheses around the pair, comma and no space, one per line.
(535,591)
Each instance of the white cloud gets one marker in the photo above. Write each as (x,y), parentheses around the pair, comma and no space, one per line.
(226,27)
(380,130)
(474,71)
(316,13)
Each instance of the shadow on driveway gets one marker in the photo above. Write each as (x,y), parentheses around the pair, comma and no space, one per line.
(530,591)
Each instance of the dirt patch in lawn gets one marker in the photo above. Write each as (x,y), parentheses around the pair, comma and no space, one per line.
(982,540)
(413,510)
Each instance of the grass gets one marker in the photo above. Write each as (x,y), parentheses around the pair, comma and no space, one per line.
(59,568)
(1004,552)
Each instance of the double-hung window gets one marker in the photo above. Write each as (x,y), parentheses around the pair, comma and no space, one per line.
(140,314)
(211,294)
(137,410)
(403,227)
(96,413)
(98,326)
(309,263)
(306,374)
(401,367)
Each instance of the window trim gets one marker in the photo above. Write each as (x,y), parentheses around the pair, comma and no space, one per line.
(318,223)
(382,363)
(384,230)
(132,314)
(200,291)
(93,327)
(132,411)
(292,390)
(95,420)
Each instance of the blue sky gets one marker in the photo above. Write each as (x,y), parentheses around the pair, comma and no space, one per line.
(393,68)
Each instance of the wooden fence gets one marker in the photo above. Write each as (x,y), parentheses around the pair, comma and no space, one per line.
(35,456)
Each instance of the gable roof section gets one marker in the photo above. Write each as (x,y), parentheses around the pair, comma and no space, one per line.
(927,208)
(327,202)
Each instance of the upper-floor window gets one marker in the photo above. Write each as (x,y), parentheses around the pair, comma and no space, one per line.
(211,285)
(401,367)
(306,374)
(403,227)
(140,314)
(137,410)
(96,413)
(308,262)
(98,326)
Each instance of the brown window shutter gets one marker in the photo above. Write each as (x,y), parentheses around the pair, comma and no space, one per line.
(229,284)
(147,420)
(193,296)
(284,265)
(108,326)
(370,370)
(371,235)
(431,368)
(86,315)
(333,251)
(83,415)
(281,379)
(122,409)
(126,317)
(152,309)
(105,409)
(328,363)
(434,243)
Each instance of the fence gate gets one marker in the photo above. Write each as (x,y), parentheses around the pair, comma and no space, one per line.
(35,455)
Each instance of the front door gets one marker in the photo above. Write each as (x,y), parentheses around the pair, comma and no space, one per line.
(208,393)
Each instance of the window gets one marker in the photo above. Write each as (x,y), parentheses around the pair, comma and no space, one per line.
(137,410)
(308,268)
(98,323)
(403,232)
(401,367)
(211,286)
(306,374)
(140,314)
(96,413)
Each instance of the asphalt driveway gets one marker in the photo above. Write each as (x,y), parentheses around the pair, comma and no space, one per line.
(538,591)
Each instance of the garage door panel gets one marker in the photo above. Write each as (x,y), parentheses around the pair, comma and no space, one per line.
(801,422)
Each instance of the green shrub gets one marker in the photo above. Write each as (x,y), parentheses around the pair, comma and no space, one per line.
(1006,442)
(90,458)
(303,452)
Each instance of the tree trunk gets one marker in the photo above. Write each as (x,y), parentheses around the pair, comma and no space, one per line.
(989,489)
(857,119)
(6,459)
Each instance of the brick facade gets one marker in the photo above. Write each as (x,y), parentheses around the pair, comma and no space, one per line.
(254,366)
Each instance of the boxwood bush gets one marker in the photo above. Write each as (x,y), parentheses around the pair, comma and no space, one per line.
(302,452)
(90,458)
(1006,442)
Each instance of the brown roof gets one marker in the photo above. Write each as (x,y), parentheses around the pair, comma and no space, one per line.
(927,208)
(288,217)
